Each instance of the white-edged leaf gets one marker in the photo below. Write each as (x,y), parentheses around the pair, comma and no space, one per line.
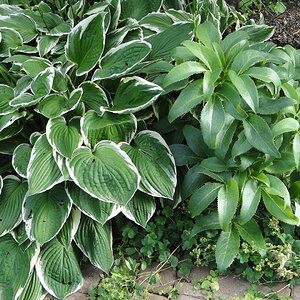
(42,83)
(95,241)
(23,100)
(296,150)
(6,94)
(155,163)
(11,199)
(7,120)
(20,159)
(107,126)
(106,172)
(44,214)
(43,172)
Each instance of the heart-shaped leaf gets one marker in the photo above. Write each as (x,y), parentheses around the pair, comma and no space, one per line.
(106,173)
(43,172)
(155,163)
(11,200)
(44,214)
(63,137)
(107,126)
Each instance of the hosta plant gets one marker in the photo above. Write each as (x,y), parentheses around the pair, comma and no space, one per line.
(77,95)
(237,140)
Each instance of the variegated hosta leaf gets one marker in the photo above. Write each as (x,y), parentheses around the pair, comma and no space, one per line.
(6,94)
(23,100)
(15,268)
(11,200)
(99,211)
(61,162)
(44,214)
(21,157)
(107,126)
(106,173)
(43,172)
(10,131)
(134,94)
(1,184)
(120,60)
(93,96)
(85,43)
(140,208)
(10,39)
(42,83)
(95,241)
(63,137)
(7,120)
(155,163)
(33,288)
(55,105)
(58,269)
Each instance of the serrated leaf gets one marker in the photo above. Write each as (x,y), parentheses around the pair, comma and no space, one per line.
(43,172)
(62,136)
(95,241)
(120,60)
(107,126)
(228,197)
(85,43)
(58,269)
(44,214)
(21,157)
(116,176)
(134,94)
(269,106)
(285,125)
(6,94)
(203,197)
(154,162)
(99,211)
(55,105)
(259,135)
(251,195)
(11,199)
(140,208)
(227,248)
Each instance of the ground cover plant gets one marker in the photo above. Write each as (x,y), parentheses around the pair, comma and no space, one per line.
(98,98)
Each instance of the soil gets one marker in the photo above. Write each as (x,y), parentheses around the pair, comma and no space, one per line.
(287,24)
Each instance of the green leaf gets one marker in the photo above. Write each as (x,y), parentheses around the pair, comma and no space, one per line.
(183,155)
(1,184)
(212,120)
(137,9)
(227,248)
(194,139)
(20,159)
(11,199)
(207,33)
(44,214)
(99,211)
(276,207)
(23,100)
(35,65)
(58,269)
(207,222)
(6,94)
(15,268)
(164,42)
(46,43)
(251,195)
(43,172)
(33,288)
(259,135)
(203,197)
(109,167)
(296,150)
(95,241)
(93,96)
(107,126)
(85,43)
(157,22)
(247,89)
(278,188)
(189,97)
(228,197)
(285,125)
(22,24)
(42,83)
(183,71)
(134,94)
(55,105)
(120,60)
(7,120)
(140,208)
(269,106)
(154,162)
(63,137)
(10,39)
(214,164)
